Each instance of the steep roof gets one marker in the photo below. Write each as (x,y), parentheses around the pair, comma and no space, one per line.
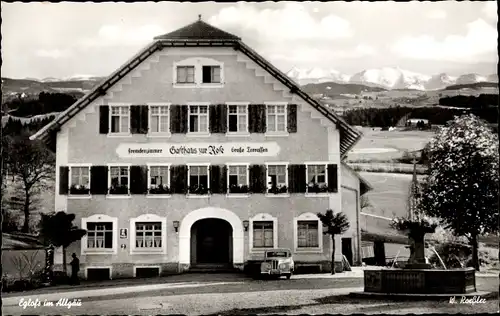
(201,34)
(198,30)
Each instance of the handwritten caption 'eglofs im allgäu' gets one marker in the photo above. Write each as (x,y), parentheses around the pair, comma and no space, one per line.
(62,302)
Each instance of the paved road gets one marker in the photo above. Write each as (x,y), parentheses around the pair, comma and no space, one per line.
(238,295)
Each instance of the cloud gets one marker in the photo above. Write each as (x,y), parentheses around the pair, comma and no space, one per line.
(116,35)
(480,38)
(292,22)
(53,53)
(490,9)
(437,14)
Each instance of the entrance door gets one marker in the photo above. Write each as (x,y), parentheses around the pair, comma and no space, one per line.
(347,249)
(212,241)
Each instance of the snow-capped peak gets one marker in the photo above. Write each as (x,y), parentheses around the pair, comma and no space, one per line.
(386,77)
(470,78)
(440,81)
(391,78)
(316,75)
(80,77)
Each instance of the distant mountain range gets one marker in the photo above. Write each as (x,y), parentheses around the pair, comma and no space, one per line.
(314,80)
(387,78)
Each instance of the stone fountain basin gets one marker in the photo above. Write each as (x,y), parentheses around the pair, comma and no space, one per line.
(420,281)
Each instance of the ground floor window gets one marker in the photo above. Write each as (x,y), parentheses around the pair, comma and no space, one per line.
(148,235)
(263,235)
(307,234)
(99,235)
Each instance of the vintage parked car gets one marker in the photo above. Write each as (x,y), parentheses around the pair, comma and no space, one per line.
(277,262)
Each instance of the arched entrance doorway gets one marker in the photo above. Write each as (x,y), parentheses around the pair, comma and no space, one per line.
(211,242)
(185,241)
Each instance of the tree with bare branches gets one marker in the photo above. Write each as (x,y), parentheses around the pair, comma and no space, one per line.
(31,165)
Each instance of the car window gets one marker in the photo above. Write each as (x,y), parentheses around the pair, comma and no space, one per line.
(281,254)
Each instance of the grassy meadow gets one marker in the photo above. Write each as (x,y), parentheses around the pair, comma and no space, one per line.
(387,146)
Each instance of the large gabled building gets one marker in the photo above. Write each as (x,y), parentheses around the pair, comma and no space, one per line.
(198,152)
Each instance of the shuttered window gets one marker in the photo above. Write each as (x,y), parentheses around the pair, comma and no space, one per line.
(198,119)
(119,179)
(276,118)
(119,120)
(237,119)
(79,180)
(159,119)
(316,178)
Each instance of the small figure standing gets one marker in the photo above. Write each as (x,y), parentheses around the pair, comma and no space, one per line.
(75,267)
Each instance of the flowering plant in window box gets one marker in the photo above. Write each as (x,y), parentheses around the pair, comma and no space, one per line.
(198,189)
(278,189)
(118,189)
(238,189)
(159,189)
(317,187)
(79,190)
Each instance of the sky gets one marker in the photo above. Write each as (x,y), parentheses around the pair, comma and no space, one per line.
(67,39)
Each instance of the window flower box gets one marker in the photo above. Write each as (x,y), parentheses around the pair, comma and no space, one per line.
(198,190)
(317,188)
(79,190)
(119,190)
(278,190)
(160,189)
(239,189)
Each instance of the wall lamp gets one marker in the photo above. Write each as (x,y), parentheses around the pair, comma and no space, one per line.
(245,224)
(176,226)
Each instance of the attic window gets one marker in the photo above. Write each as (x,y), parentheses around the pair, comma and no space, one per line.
(185,74)
(211,74)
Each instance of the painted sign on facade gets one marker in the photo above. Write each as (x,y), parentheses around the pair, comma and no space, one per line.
(195,150)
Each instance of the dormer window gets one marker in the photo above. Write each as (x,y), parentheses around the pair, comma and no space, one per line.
(211,74)
(198,72)
(185,74)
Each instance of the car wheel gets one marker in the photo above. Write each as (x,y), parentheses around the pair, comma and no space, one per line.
(288,276)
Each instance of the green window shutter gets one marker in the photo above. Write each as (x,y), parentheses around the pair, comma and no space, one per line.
(99,180)
(103,119)
(174,120)
(261,118)
(222,114)
(138,179)
(178,119)
(332,178)
(297,178)
(292,118)
(183,119)
(144,120)
(135,119)
(215,185)
(63,180)
(258,178)
(178,176)
(252,118)
(213,124)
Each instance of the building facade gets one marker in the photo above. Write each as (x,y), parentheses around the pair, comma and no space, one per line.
(197,153)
